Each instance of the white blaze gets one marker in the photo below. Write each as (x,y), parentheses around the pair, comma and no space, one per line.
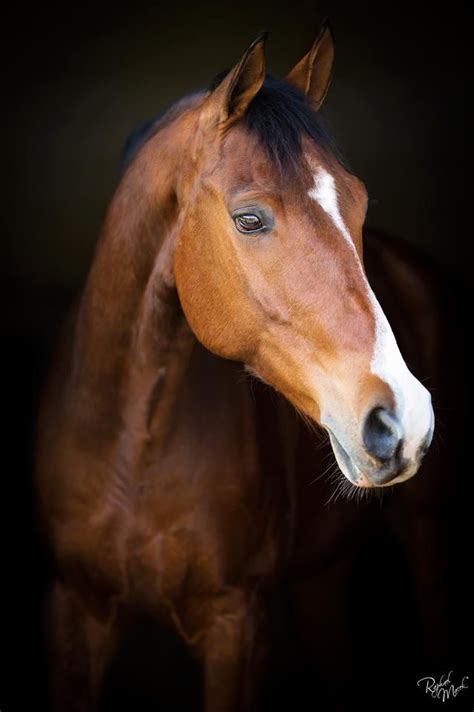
(324,193)
(413,401)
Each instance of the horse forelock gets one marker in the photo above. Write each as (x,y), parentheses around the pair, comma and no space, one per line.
(280,116)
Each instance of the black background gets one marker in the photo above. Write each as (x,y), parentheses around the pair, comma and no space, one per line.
(77,80)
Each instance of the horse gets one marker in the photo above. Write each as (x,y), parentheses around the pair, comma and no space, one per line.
(231,250)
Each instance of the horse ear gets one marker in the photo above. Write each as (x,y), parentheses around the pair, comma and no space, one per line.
(229,101)
(312,75)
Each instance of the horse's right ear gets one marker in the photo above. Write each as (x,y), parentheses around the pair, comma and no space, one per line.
(230,99)
(312,74)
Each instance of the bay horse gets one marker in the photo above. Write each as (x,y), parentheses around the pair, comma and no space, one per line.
(232,248)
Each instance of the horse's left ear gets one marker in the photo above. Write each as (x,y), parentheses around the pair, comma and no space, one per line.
(312,75)
(229,101)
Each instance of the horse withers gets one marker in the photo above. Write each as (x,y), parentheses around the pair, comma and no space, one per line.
(233,244)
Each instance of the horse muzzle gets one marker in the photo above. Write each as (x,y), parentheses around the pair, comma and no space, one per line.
(379,457)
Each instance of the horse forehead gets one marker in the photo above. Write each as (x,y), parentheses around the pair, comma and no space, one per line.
(245,161)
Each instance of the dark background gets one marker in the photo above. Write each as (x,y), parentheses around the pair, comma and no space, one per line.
(78,79)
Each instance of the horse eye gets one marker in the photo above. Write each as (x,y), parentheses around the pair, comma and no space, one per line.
(248,223)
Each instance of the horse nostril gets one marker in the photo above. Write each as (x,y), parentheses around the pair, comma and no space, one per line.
(381,434)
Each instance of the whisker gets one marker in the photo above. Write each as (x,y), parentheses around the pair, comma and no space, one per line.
(328,470)
(311,424)
(439,439)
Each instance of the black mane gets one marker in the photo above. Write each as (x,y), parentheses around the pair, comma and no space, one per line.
(280,115)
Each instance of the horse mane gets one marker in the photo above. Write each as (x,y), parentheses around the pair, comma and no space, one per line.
(280,115)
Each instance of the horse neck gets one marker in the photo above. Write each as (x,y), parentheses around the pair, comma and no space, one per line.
(129,316)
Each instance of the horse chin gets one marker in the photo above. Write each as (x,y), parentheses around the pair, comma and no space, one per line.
(346,464)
